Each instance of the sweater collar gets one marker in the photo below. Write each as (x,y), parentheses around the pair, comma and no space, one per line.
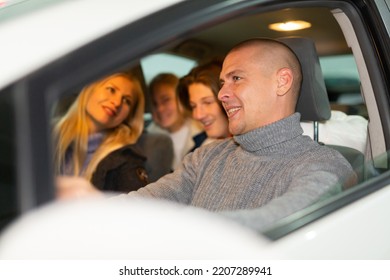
(270,135)
(94,140)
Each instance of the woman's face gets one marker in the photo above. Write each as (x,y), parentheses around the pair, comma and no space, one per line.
(110,103)
(206,109)
(166,112)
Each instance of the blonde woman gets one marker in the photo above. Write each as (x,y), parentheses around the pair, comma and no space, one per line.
(95,138)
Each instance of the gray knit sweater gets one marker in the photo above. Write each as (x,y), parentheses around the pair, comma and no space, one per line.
(273,167)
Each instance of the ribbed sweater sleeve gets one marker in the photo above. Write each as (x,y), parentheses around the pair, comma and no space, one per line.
(273,163)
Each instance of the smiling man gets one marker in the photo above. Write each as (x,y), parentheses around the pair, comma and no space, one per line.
(262,90)
(268,169)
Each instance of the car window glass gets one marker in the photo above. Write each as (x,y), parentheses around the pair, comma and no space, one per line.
(158,63)
(343,84)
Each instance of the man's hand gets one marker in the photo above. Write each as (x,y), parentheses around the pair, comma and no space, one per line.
(69,187)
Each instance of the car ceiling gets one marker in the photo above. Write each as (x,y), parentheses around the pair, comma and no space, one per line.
(218,39)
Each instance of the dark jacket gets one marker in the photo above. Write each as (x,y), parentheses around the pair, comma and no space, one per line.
(122,170)
(198,139)
(158,149)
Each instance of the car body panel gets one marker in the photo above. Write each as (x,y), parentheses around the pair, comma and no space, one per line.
(335,236)
(40,36)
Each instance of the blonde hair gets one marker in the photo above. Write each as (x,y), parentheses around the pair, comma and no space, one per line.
(173,81)
(72,129)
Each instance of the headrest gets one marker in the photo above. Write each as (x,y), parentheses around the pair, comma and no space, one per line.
(313,102)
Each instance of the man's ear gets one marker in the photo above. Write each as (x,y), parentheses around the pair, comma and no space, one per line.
(284,80)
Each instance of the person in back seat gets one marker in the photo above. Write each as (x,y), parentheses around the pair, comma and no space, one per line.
(268,169)
(171,118)
(198,92)
(95,137)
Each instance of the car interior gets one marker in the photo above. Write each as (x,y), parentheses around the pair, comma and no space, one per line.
(313,103)
(339,65)
(325,39)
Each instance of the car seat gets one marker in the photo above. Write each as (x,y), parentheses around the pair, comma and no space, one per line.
(313,103)
(158,149)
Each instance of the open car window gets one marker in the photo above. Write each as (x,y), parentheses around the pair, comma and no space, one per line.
(339,66)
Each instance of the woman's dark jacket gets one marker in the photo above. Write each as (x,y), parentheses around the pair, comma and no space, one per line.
(122,170)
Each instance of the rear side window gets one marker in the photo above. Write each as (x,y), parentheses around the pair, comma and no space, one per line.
(343,84)
(155,64)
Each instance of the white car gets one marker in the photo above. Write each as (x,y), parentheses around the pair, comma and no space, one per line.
(49,49)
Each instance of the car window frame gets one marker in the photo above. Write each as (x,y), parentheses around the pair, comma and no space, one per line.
(44,87)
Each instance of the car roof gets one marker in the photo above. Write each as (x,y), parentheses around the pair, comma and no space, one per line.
(33,37)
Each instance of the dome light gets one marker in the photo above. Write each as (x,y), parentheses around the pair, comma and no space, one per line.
(289,25)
